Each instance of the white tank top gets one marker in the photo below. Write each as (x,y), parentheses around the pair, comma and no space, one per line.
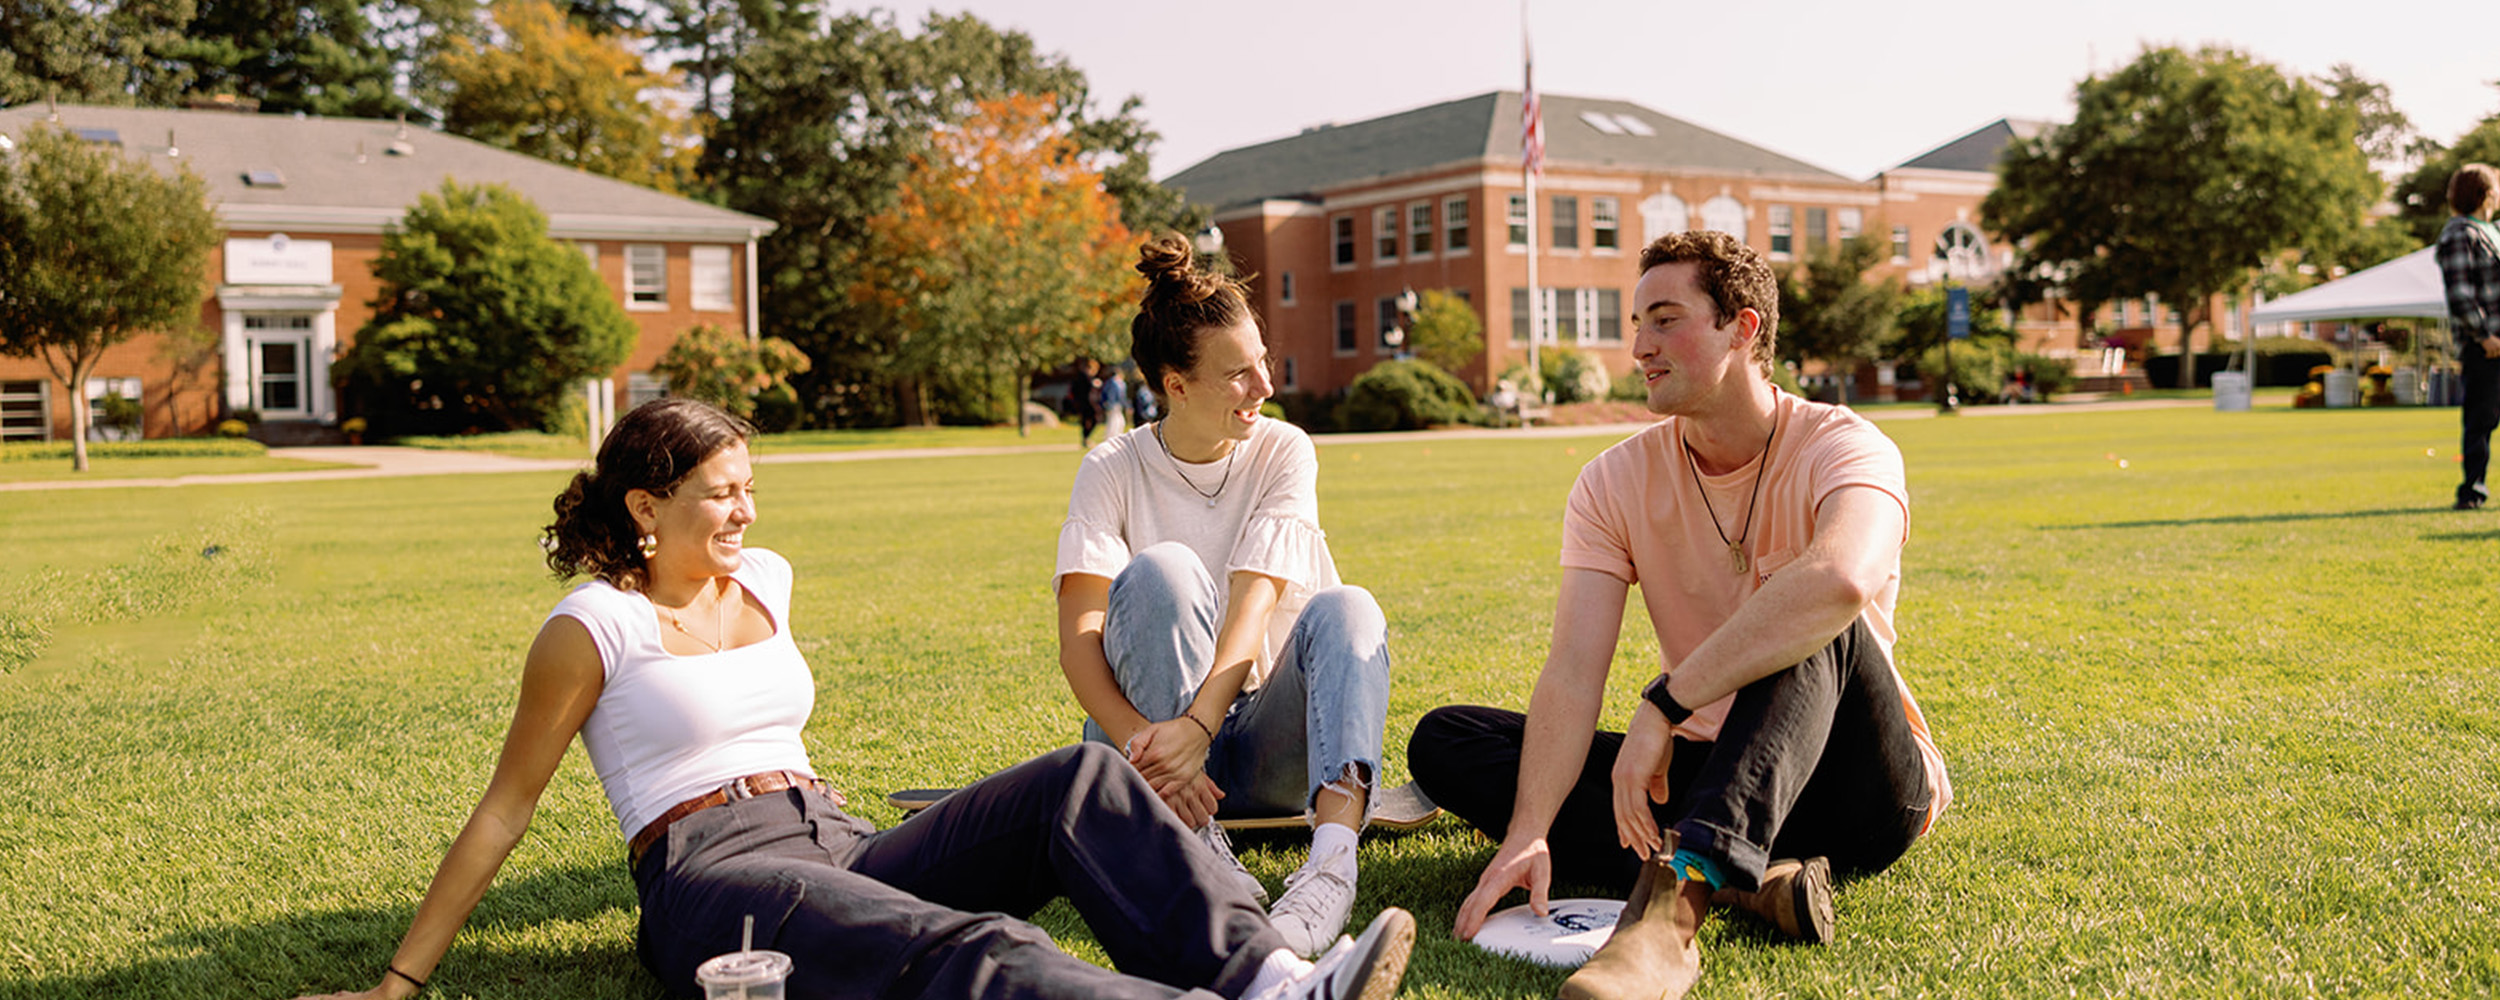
(668,728)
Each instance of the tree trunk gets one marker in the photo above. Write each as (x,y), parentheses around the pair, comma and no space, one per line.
(1023,387)
(2189,319)
(80,366)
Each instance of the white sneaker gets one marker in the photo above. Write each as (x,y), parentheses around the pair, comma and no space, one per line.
(1364,968)
(1318,898)
(1213,836)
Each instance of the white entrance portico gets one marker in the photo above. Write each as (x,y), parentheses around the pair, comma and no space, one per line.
(281,327)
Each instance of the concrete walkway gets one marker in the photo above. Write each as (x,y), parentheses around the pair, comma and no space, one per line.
(381,461)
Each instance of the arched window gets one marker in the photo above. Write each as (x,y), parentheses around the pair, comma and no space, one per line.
(1962,253)
(1726,215)
(1663,213)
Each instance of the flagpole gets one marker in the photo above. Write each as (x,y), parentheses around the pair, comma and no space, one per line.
(1532,143)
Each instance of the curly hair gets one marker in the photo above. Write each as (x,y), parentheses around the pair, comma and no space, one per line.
(1181,302)
(1732,274)
(653,449)
(2471,188)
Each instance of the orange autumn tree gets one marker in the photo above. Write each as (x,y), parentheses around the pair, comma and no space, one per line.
(1003,256)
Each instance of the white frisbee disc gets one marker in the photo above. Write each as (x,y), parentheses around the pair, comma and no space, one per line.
(1566,936)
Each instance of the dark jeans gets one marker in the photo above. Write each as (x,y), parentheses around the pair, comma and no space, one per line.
(2482,413)
(1815,760)
(933,906)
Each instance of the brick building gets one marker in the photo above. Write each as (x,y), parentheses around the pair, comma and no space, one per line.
(305,202)
(1335,222)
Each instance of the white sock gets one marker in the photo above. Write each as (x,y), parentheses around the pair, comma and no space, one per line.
(1282,967)
(1328,839)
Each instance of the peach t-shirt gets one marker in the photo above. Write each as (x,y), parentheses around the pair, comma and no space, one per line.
(1637,514)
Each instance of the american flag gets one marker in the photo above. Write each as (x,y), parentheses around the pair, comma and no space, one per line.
(1531,121)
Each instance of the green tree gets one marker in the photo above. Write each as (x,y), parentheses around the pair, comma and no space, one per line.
(482,321)
(2421,197)
(1003,255)
(719,367)
(322,57)
(95,248)
(2181,175)
(102,52)
(554,90)
(1830,312)
(821,130)
(1447,331)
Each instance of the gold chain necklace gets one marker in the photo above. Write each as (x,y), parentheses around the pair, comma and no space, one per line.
(1735,549)
(720,606)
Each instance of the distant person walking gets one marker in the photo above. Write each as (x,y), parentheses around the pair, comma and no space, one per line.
(1112,400)
(1085,400)
(2469,267)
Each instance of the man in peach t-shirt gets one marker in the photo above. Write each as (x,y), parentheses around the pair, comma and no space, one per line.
(1778,745)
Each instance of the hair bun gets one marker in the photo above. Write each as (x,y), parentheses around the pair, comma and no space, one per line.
(1167,258)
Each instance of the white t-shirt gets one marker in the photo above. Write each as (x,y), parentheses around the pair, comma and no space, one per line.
(668,728)
(1130,494)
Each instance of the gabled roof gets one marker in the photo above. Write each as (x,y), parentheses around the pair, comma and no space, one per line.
(1978,151)
(1580,133)
(342,175)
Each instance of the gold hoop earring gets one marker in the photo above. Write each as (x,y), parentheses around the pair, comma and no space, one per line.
(649,544)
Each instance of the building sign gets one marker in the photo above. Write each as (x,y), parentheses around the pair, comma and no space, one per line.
(1957,313)
(277,260)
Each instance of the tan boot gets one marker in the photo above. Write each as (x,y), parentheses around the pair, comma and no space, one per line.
(1796,897)
(1652,955)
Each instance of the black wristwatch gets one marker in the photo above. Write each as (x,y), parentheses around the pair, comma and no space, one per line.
(1656,693)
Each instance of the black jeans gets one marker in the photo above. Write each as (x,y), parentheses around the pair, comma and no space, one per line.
(933,906)
(1815,760)
(2482,413)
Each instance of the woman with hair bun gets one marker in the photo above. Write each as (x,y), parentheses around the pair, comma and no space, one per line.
(676,667)
(1202,625)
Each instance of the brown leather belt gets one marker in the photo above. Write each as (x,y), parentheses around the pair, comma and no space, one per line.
(743,788)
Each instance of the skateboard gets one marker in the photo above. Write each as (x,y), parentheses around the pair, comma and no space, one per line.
(1400,808)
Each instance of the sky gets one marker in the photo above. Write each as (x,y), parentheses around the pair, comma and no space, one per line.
(1854,87)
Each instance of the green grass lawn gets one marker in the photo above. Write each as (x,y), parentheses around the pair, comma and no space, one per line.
(2220,721)
(168,467)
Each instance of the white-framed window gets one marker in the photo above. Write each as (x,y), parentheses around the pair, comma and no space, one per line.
(1515,215)
(1606,313)
(1454,235)
(1419,229)
(1551,302)
(25,409)
(643,387)
(1566,208)
(1341,230)
(1345,327)
(1284,288)
(590,252)
(1518,315)
(1286,377)
(1852,223)
(1900,244)
(712,282)
(1385,233)
(1724,214)
(1661,214)
(1605,225)
(1388,320)
(1818,228)
(126,388)
(646,276)
(1783,232)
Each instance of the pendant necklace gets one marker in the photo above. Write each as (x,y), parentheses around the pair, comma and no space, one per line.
(723,631)
(1735,549)
(1185,480)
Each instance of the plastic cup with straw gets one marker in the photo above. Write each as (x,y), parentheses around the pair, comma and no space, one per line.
(744,974)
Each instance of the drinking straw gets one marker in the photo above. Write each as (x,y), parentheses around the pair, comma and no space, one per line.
(746,941)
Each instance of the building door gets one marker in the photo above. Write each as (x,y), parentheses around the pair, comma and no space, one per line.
(279,346)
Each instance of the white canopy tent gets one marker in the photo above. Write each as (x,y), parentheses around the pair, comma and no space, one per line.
(2406,286)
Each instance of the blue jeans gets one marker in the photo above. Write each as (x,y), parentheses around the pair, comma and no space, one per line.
(1324,706)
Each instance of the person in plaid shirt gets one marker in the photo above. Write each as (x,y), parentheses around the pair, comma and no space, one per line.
(2469,266)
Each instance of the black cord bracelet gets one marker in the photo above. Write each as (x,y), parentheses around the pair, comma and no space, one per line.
(1656,694)
(1202,727)
(394,970)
